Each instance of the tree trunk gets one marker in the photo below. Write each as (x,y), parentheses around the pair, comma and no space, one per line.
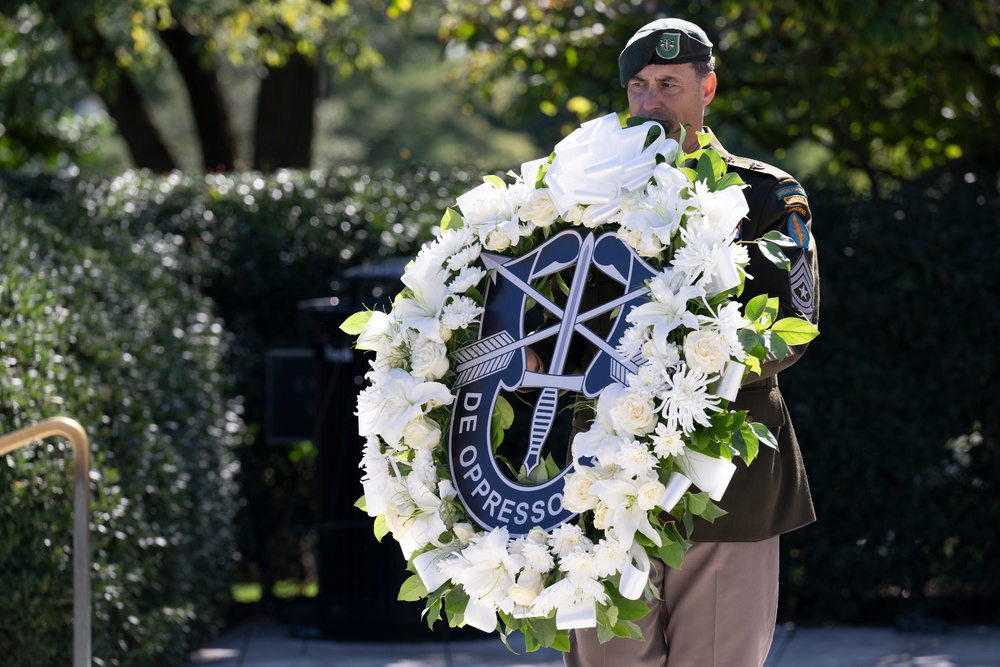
(284,128)
(208,104)
(120,95)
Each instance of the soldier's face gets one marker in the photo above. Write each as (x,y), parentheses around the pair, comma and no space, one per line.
(673,95)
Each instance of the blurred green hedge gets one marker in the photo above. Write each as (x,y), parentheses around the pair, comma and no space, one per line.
(893,403)
(112,339)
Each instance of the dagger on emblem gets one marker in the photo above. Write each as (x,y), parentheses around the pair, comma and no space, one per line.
(548,399)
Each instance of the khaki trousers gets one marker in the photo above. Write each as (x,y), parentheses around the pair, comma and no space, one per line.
(718,610)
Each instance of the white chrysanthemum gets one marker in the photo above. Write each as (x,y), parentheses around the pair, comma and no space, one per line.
(687,401)
(459,313)
(631,343)
(580,564)
(610,557)
(649,379)
(466,279)
(635,460)
(464,257)
(537,557)
(667,441)
(662,355)
(566,538)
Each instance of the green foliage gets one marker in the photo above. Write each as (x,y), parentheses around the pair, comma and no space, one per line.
(892,89)
(895,408)
(111,339)
(39,127)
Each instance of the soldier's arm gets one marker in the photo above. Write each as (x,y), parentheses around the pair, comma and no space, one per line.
(784,207)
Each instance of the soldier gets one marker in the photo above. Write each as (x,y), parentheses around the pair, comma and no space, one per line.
(720,608)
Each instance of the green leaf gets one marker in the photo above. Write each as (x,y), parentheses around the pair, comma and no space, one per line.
(776,345)
(630,610)
(381,527)
(495,181)
(779,239)
(795,331)
(755,307)
(451,220)
(361,504)
(412,590)
(672,553)
(774,254)
(764,434)
(356,323)
(628,629)
(503,412)
(745,442)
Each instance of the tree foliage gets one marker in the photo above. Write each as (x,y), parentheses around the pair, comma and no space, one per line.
(119,51)
(896,89)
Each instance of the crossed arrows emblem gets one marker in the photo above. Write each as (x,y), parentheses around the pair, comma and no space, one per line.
(502,333)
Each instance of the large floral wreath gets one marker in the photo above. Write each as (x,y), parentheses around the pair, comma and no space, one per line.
(666,427)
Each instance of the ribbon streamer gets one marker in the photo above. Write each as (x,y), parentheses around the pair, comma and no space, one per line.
(634,576)
(728,385)
(581,614)
(709,474)
(677,485)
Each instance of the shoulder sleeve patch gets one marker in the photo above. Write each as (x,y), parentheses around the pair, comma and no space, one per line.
(797,230)
(783,193)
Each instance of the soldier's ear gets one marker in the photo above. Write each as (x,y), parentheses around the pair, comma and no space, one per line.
(708,86)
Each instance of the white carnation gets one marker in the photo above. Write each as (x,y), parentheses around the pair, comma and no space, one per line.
(459,313)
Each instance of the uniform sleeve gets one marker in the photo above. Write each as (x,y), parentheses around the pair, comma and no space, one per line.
(781,205)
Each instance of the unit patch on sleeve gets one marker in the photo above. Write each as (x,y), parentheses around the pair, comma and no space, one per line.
(797,230)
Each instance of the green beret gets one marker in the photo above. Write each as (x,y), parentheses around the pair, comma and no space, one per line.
(663,42)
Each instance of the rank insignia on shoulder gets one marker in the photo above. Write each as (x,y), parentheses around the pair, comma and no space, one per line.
(797,230)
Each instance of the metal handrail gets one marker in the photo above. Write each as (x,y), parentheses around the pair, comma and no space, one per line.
(72,431)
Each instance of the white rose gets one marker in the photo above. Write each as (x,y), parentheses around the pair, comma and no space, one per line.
(650,494)
(601,516)
(539,208)
(633,414)
(422,434)
(496,240)
(429,359)
(705,351)
(577,496)
(522,595)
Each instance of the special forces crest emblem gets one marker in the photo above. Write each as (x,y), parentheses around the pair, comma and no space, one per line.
(497,362)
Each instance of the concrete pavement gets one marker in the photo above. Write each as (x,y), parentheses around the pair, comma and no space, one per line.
(272,645)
